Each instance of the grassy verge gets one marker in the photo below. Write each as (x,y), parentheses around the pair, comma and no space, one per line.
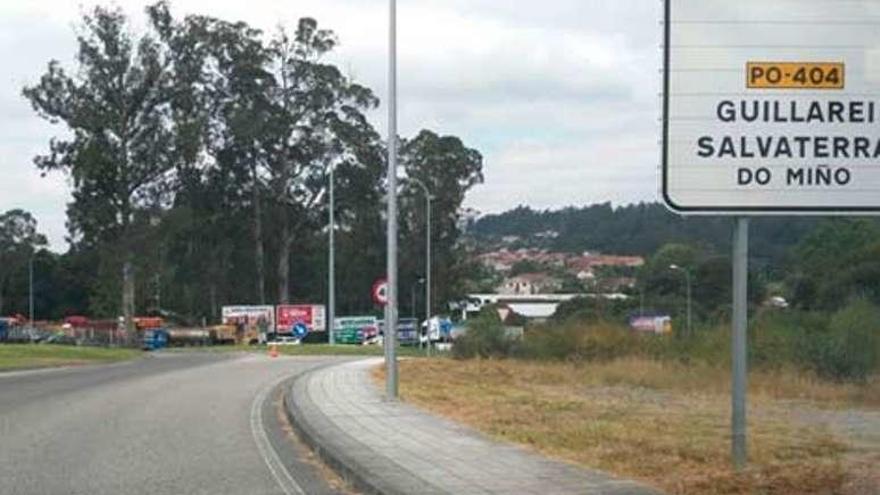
(15,356)
(662,423)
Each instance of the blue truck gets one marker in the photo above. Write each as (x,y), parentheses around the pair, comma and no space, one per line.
(155,339)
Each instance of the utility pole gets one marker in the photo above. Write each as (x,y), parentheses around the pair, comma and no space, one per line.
(331,268)
(31,290)
(128,302)
(390,339)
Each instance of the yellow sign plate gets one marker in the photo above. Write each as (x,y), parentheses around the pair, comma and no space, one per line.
(795,75)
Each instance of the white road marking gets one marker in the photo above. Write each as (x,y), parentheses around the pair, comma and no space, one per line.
(282,476)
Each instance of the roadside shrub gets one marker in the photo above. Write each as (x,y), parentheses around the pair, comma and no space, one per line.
(850,348)
(707,345)
(485,338)
(580,342)
(779,338)
(589,310)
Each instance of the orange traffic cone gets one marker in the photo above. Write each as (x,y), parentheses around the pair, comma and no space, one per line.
(273,351)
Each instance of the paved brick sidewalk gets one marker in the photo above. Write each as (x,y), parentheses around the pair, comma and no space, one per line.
(393,448)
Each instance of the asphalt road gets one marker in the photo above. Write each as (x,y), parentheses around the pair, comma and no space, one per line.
(168,424)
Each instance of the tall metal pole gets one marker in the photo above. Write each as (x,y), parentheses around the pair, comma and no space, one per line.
(331,268)
(428,203)
(390,338)
(739,336)
(412,299)
(31,291)
(428,199)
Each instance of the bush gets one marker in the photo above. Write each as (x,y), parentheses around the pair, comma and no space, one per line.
(583,310)
(843,346)
(580,342)
(779,338)
(485,338)
(850,348)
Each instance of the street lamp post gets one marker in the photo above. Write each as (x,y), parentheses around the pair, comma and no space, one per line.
(429,198)
(687,277)
(390,339)
(31,290)
(412,295)
(331,268)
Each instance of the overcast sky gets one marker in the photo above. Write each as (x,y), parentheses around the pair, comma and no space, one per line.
(560,96)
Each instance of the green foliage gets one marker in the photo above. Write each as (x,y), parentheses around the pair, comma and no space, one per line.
(485,338)
(579,342)
(835,263)
(200,151)
(642,229)
(448,169)
(850,348)
(19,240)
(588,310)
(845,346)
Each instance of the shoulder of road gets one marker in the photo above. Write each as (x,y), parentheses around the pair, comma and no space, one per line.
(387,447)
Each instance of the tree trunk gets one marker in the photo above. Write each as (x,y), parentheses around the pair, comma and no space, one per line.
(128,300)
(213,296)
(259,255)
(284,264)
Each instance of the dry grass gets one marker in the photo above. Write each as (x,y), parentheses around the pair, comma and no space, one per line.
(665,424)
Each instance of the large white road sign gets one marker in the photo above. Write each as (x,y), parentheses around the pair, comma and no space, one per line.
(772,106)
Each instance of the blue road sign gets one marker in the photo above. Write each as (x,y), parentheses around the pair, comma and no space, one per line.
(300,330)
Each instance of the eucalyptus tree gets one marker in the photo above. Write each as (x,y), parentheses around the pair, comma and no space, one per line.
(116,110)
(218,111)
(19,241)
(449,169)
(316,123)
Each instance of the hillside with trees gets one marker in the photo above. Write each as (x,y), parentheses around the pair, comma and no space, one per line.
(639,229)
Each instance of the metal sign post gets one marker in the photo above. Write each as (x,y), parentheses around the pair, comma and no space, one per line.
(739,340)
(331,268)
(768,112)
(390,339)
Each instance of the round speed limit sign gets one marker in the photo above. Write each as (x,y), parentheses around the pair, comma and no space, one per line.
(380,292)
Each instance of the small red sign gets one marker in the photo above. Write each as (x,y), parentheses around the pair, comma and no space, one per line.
(380,292)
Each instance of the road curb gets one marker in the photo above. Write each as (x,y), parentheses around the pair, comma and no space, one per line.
(308,423)
(359,441)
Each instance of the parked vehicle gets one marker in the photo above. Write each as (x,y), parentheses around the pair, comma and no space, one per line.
(188,337)
(155,339)
(437,329)
(235,335)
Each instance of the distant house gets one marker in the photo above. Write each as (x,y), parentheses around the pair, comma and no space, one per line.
(530,284)
(514,323)
(617,284)
(581,266)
